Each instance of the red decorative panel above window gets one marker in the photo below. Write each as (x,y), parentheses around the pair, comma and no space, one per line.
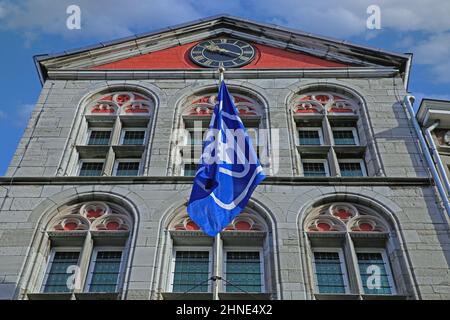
(244,222)
(94,216)
(342,217)
(125,103)
(324,102)
(204,106)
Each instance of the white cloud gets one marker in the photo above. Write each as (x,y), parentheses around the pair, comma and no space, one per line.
(23,114)
(2,114)
(102,19)
(435,52)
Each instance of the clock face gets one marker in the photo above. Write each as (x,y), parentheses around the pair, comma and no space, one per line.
(226,53)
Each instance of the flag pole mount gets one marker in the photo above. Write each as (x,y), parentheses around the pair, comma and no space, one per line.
(221,74)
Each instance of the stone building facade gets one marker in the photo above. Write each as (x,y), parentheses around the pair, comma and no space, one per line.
(93,205)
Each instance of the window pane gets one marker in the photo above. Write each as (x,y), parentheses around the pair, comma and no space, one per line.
(371,265)
(190,169)
(134,137)
(243,271)
(195,138)
(309,137)
(91,169)
(329,274)
(314,169)
(351,169)
(99,137)
(191,269)
(344,137)
(127,169)
(58,274)
(106,271)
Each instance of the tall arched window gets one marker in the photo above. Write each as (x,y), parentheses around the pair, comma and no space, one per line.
(329,134)
(113,135)
(195,118)
(353,253)
(242,259)
(86,253)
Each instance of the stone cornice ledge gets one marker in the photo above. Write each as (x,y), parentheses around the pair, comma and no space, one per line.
(279,180)
(351,72)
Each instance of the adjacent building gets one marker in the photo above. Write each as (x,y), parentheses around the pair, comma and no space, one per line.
(93,205)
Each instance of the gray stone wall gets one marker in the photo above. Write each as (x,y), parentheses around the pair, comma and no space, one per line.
(415,209)
(46,139)
(423,230)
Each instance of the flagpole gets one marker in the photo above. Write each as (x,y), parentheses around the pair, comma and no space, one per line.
(216,284)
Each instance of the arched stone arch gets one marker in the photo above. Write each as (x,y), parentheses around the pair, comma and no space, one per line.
(176,208)
(46,214)
(350,90)
(383,211)
(88,95)
(183,101)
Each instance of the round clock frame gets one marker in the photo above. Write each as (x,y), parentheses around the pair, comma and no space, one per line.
(223,52)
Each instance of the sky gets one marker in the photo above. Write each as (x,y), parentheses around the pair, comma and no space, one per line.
(30,27)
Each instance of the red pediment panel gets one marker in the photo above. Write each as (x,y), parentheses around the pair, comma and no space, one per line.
(178,58)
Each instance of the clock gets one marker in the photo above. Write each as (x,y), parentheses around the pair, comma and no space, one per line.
(228,53)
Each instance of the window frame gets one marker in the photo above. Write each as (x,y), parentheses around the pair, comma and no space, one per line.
(194,249)
(182,170)
(191,130)
(80,165)
(89,132)
(345,274)
(124,130)
(325,165)
(387,264)
(318,129)
(352,129)
(348,160)
(116,166)
(225,250)
(51,258)
(90,270)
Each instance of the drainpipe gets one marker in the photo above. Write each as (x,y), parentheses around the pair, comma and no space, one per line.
(426,151)
(436,156)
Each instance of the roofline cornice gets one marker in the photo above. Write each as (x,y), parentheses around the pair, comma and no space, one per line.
(351,72)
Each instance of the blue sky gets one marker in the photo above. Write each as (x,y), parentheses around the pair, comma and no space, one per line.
(30,27)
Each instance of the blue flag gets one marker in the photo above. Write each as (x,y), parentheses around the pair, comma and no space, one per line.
(228,172)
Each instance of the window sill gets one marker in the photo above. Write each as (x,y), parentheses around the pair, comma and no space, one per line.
(383,297)
(74,296)
(50,296)
(187,296)
(321,150)
(244,296)
(337,296)
(97,296)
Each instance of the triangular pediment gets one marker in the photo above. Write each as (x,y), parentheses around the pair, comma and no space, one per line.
(276,47)
(177,57)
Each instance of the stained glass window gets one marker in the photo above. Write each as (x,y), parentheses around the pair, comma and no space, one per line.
(329,273)
(59,272)
(371,266)
(106,270)
(191,270)
(243,272)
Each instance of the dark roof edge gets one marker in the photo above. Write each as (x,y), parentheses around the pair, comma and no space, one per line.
(41,57)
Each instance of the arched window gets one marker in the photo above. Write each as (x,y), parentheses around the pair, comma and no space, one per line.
(113,135)
(351,246)
(195,118)
(87,252)
(242,259)
(329,135)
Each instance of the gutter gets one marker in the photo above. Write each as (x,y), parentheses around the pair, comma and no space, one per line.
(407,102)
(436,156)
